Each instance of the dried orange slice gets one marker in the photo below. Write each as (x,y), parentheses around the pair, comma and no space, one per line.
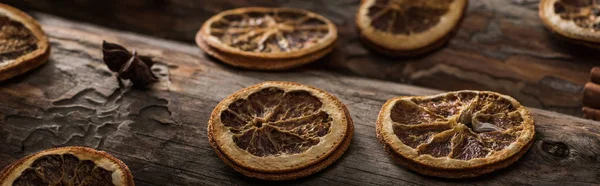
(408,27)
(573,19)
(267,38)
(23,44)
(280,130)
(456,134)
(67,166)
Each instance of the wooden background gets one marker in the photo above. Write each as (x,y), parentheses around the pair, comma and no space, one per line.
(501,46)
(161,133)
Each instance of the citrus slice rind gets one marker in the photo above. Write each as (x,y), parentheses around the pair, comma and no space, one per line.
(278,126)
(408,25)
(572,19)
(483,131)
(269,32)
(67,165)
(23,44)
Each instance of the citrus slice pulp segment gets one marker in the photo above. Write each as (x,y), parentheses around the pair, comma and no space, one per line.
(483,101)
(496,122)
(235,121)
(468,146)
(259,107)
(414,135)
(269,141)
(296,104)
(439,146)
(269,32)
(477,105)
(268,109)
(16,40)
(408,113)
(500,105)
(446,105)
(315,125)
(497,140)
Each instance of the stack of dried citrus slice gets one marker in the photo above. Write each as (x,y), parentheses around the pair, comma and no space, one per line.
(267,38)
(23,44)
(280,130)
(407,28)
(574,20)
(67,166)
(456,134)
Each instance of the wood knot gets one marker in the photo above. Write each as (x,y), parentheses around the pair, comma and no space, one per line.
(558,149)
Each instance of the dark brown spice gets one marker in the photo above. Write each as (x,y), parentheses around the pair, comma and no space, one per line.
(128,65)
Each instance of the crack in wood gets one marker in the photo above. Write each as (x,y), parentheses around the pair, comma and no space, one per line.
(77,121)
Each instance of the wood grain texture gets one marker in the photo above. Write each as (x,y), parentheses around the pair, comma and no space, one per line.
(161,133)
(501,46)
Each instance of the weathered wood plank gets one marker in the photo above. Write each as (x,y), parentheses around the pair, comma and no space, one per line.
(161,133)
(501,45)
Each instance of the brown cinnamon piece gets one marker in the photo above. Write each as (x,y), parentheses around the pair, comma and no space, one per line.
(590,113)
(591,95)
(595,75)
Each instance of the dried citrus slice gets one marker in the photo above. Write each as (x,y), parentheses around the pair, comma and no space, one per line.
(267,38)
(402,27)
(280,130)
(573,19)
(23,44)
(456,134)
(67,166)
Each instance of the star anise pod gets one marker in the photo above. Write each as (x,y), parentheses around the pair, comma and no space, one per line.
(128,65)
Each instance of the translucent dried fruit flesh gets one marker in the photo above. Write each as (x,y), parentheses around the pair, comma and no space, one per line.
(273,122)
(407,112)
(468,146)
(407,17)
(272,31)
(497,140)
(459,125)
(65,169)
(416,135)
(439,146)
(584,13)
(446,106)
(16,40)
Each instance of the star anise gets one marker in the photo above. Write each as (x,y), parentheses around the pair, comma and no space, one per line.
(128,65)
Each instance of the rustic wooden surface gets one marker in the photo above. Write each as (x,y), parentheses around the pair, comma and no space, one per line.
(501,45)
(161,133)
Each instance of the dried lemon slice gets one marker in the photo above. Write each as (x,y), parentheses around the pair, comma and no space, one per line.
(280,130)
(402,27)
(23,44)
(456,134)
(67,166)
(267,38)
(573,19)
